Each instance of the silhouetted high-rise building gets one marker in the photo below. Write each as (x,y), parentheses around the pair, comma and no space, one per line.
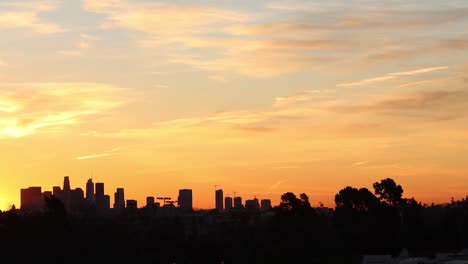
(106,202)
(252,204)
(31,198)
(132,204)
(265,204)
(149,201)
(99,189)
(66,192)
(238,202)
(185,199)
(228,203)
(102,200)
(66,184)
(119,198)
(219,199)
(77,200)
(90,192)
(57,192)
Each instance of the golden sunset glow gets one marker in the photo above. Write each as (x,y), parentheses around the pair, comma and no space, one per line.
(258,98)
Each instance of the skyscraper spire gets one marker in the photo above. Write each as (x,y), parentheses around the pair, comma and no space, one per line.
(66,184)
(90,191)
(66,192)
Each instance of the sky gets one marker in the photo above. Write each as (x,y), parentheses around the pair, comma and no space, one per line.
(257,98)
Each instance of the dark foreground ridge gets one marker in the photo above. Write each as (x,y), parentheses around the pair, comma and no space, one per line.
(363,223)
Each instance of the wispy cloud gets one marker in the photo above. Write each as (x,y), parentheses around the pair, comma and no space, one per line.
(26,15)
(391,76)
(296,97)
(366,81)
(266,43)
(226,31)
(29,107)
(99,155)
(86,41)
(277,184)
(419,71)
(435,104)
(360,163)
(218,78)
(94,156)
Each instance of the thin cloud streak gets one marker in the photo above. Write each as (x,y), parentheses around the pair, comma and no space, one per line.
(366,81)
(390,76)
(106,153)
(277,184)
(95,156)
(419,71)
(360,163)
(435,104)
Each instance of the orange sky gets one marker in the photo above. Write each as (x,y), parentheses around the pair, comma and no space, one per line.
(258,98)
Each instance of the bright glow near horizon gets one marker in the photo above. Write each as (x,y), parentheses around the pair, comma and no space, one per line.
(259,98)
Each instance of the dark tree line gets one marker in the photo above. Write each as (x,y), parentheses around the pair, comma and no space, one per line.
(381,221)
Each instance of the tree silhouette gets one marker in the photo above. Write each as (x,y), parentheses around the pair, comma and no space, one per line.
(289,201)
(304,200)
(356,199)
(388,191)
(54,206)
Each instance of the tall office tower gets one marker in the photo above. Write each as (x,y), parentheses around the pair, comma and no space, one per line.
(101,200)
(77,200)
(185,199)
(252,204)
(106,202)
(31,198)
(238,202)
(119,198)
(66,184)
(66,192)
(57,192)
(219,199)
(90,191)
(149,201)
(132,204)
(228,203)
(99,189)
(265,204)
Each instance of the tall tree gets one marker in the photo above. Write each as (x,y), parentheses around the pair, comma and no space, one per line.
(358,199)
(388,191)
(304,200)
(289,201)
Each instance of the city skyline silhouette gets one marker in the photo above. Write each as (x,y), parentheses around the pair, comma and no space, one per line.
(406,230)
(234,131)
(33,198)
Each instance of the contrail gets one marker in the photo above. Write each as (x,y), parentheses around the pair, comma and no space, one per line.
(94,156)
(105,153)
